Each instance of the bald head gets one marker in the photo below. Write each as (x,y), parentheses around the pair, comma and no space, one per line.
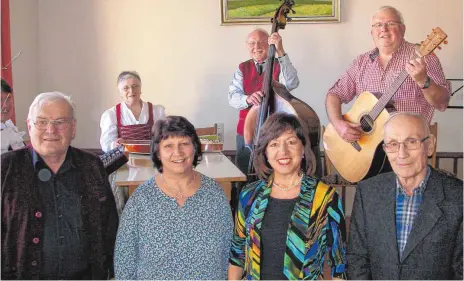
(257,44)
(257,32)
(408,119)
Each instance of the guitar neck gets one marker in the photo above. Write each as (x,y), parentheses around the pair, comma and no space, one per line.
(391,91)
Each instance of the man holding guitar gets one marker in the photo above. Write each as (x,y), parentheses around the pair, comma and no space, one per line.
(424,89)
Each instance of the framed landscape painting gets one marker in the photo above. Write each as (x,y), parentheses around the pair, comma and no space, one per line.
(261,11)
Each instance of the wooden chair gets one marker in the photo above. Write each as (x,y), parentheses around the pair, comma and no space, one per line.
(206,131)
(434,131)
(328,167)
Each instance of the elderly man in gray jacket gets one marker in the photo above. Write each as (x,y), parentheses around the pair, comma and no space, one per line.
(407,224)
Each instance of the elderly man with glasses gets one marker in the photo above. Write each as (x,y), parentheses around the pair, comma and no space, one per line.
(407,224)
(59,217)
(424,90)
(245,88)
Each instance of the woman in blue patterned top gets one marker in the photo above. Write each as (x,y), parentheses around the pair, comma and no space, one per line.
(287,222)
(177,225)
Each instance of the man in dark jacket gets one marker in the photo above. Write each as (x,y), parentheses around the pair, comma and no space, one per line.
(407,224)
(59,218)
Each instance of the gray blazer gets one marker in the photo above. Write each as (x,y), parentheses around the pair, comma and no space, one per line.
(434,247)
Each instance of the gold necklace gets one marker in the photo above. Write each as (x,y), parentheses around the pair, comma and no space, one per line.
(179,194)
(287,188)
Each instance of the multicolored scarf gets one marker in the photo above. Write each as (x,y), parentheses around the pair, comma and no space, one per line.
(315,228)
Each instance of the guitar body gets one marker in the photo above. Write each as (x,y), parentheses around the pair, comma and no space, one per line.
(354,165)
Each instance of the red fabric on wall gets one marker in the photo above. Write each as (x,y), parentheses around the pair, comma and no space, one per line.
(6,49)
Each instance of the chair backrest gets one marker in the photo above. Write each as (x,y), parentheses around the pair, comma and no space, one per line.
(206,131)
(328,167)
(434,131)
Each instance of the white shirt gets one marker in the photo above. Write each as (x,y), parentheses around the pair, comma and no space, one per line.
(10,136)
(109,122)
(287,77)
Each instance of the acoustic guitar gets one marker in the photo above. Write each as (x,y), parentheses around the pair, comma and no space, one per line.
(354,160)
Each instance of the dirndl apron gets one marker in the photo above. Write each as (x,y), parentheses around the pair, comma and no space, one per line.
(129,132)
(137,131)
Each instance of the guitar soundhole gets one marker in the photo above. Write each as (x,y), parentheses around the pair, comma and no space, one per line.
(366,124)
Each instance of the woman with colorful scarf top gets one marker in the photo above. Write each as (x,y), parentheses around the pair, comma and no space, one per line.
(287,221)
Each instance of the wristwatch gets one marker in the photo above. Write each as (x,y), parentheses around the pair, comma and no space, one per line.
(427,83)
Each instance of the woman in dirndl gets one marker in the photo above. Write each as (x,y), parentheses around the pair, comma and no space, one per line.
(132,119)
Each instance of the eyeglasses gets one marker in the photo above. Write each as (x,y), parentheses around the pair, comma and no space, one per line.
(409,144)
(59,124)
(254,43)
(133,87)
(390,24)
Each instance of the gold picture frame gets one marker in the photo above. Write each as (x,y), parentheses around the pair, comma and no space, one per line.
(261,11)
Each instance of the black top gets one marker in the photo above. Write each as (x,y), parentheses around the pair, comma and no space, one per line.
(274,237)
(64,247)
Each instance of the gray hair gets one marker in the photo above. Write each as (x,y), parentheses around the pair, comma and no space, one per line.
(414,115)
(128,74)
(257,30)
(392,9)
(47,97)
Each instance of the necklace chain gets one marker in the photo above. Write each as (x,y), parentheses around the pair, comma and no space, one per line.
(290,187)
(179,194)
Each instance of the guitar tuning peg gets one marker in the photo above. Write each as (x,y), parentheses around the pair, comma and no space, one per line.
(445,42)
(439,47)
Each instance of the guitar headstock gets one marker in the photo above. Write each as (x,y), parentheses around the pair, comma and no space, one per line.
(432,42)
(281,15)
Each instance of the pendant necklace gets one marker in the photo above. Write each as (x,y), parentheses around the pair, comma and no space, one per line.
(179,195)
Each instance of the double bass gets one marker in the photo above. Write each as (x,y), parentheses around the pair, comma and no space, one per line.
(278,99)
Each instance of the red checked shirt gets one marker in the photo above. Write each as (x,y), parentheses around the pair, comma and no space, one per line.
(367,74)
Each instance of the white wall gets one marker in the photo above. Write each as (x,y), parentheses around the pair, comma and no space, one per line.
(186,58)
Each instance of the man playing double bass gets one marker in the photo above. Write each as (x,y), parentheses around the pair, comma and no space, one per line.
(245,89)
(424,90)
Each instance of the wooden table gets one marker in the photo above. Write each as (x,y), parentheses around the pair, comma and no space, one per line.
(214,165)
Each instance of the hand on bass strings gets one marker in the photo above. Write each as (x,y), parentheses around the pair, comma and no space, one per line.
(277,41)
(255,98)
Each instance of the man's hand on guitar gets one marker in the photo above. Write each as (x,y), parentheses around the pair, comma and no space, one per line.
(417,70)
(348,131)
(255,98)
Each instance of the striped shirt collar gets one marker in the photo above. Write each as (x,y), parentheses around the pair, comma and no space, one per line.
(420,189)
